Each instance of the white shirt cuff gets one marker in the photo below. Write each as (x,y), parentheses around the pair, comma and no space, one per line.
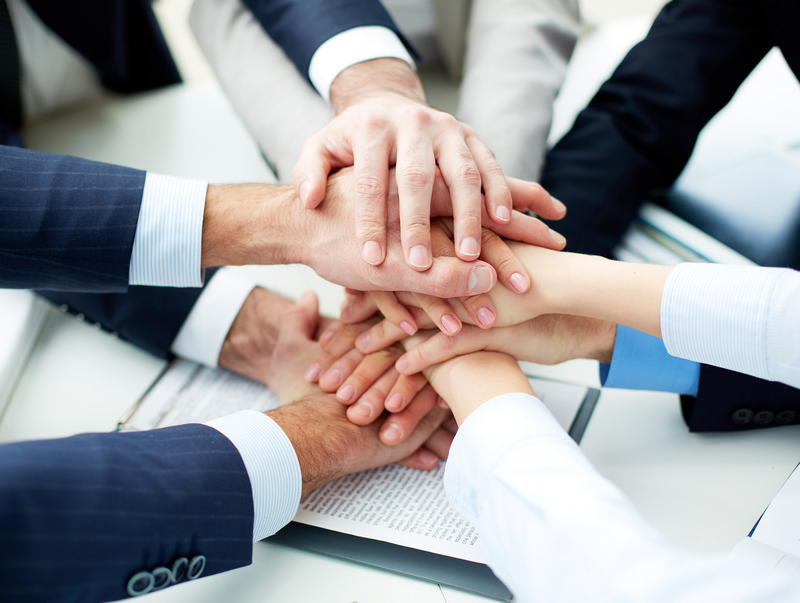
(350,47)
(205,329)
(169,234)
(487,434)
(717,315)
(271,464)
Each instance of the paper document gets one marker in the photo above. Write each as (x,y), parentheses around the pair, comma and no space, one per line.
(394,504)
(774,545)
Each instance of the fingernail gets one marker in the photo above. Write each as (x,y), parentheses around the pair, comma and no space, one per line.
(391,433)
(334,377)
(485,316)
(361,410)
(363,340)
(450,324)
(371,252)
(519,282)
(427,458)
(557,238)
(503,214)
(347,311)
(395,401)
(346,393)
(401,364)
(313,372)
(419,257)
(304,189)
(325,339)
(480,280)
(469,246)
(408,327)
(557,205)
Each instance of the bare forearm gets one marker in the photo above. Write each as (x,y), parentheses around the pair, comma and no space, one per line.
(251,224)
(375,78)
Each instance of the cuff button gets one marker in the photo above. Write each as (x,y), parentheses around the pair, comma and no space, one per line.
(196,567)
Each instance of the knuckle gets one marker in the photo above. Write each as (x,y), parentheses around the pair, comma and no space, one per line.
(467,173)
(446,283)
(447,121)
(417,225)
(416,177)
(370,187)
(373,120)
(418,116)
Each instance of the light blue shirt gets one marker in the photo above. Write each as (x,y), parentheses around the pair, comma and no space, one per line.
(641,361)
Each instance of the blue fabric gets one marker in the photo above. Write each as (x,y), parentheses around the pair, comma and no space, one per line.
(637,134)
(66,224)
(641,361)
(302,26)
(79,516)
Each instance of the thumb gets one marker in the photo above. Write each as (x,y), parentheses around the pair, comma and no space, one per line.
(310,174)
(300,320)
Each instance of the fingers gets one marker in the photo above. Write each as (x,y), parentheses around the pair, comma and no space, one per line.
(332,379)
(395,312)
(397,427)
(532,196)
(441,348)
(380,336)
(528,229)
(496,191)
(370,405)
(371,172)
(403,391)
(366,373)
(358,307)
(439,443)
(335,342)
(463,178)
(440,312)
(310,173)
(421,459)
(415,175)
(510,271)
(481,310)
(447,278)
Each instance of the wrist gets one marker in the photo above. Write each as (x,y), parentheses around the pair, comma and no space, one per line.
(376,78)
(251,224)
(250,343)
(599,341)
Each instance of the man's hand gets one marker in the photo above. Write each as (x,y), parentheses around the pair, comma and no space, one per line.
(328,445)
(384,120)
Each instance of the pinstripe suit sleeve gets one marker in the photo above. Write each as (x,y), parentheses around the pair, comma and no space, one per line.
(80,516)
(66,224)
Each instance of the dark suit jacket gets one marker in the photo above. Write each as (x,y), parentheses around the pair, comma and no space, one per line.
(81,516)
(638,132)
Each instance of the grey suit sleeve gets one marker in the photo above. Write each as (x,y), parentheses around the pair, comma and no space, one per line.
(517,54)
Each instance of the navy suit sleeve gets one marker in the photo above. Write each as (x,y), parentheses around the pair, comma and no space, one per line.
(302,26)
(66,224)
(638,132)
(80,516)
(149,317)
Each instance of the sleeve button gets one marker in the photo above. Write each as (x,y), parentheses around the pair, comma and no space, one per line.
(742,416)
(141,584)
(196,567)
(179,569)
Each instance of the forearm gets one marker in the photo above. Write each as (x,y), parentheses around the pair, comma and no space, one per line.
(372,79)
(251,224)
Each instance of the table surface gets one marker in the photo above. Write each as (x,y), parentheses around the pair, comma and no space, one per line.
(705,491)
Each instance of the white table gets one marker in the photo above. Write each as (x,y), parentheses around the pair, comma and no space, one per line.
(704,491)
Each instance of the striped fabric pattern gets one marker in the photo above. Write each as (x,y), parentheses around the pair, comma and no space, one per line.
(783,330)
(169,234)
(271,464)
(720,315)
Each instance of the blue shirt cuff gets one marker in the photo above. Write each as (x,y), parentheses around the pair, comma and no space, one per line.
(641,361)
(169,234)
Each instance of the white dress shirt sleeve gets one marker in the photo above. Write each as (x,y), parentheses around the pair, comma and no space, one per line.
(271,464)
(742,318)
(205,329)
(553,529)
(350,47)
(169,234)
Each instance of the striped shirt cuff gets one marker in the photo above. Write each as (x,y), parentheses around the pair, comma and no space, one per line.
(271,464)
(717,315)
(169,233)
(351,47)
